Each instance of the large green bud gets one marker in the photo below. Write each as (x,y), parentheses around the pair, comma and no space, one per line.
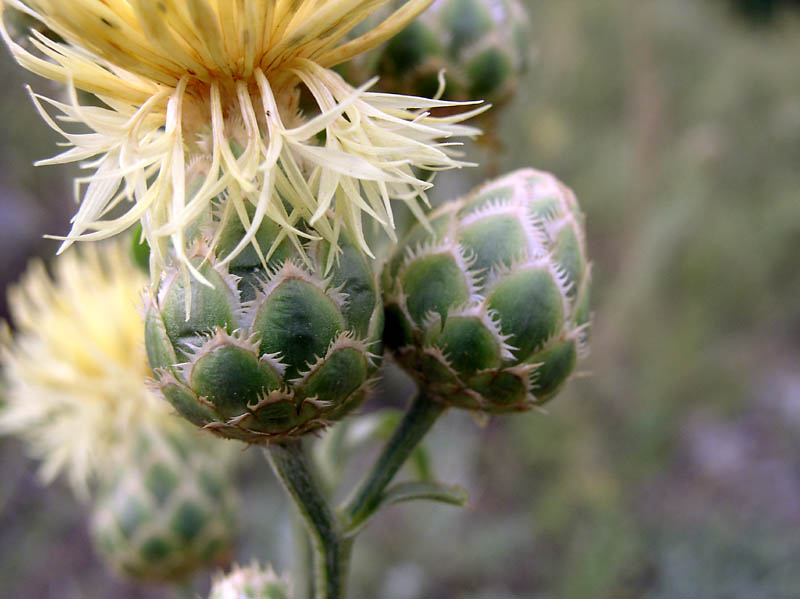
(267,354)
(483,46)
(252,582)
(168,509)
(490,310)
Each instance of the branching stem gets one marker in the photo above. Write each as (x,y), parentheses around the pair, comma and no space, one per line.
(332,535)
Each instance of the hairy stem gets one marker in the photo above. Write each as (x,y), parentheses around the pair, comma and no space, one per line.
(331,551)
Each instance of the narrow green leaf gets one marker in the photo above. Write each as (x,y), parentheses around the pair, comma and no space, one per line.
(413,491)
(432,491)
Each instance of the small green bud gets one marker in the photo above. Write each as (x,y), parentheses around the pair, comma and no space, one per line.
(489,308)
(483,46)
(168,510)
(271,353)
(253,582)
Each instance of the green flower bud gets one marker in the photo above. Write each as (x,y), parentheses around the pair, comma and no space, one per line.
(168,509)
(490,309)
(252,582)
(266,354)
(481,44)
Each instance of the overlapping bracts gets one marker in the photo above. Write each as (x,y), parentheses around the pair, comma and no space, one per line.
(490,310)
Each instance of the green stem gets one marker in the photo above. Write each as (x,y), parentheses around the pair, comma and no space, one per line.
(417,421)
(303,569)
(332,552)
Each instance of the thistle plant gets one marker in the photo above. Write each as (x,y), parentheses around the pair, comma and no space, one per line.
(264,318)
(487,307)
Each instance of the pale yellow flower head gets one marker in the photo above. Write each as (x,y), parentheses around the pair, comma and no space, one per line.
(75,369)
(200,107)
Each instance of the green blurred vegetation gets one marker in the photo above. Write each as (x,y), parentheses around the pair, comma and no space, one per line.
(761,11)
(670,467)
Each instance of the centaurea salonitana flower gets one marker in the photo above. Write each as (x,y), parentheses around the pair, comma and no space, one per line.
(74,372)
(74,389)
(200,108)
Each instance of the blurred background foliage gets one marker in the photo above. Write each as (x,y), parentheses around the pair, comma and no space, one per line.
(671,466)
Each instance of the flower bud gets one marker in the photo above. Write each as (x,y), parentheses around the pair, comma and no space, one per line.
(169,508)
(490,310)
(483,46)
(263,354)
(252,582)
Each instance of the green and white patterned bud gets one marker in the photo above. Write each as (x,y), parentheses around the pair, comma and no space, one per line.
(483,46)
(252,582)
(267,354)
(169,508)
(491,311)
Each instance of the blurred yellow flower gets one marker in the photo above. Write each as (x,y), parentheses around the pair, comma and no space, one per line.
(200,109)
(75,369)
